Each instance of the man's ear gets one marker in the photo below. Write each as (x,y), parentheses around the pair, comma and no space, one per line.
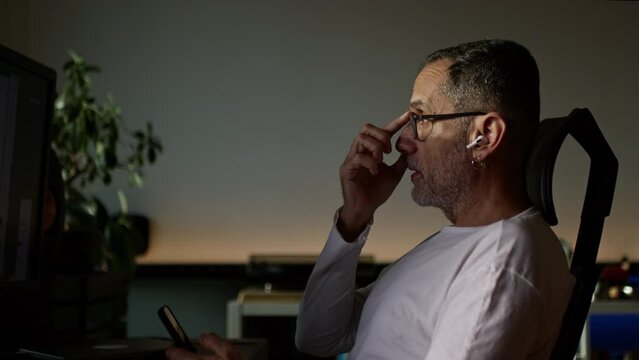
(492,127)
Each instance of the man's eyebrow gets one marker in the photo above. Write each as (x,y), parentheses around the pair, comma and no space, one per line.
(416,103)
(419,104)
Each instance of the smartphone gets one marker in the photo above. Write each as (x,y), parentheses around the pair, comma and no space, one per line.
(175,330)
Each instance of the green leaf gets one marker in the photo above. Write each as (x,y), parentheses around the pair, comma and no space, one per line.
(59,102)
(99,149)
(89,135)
(135,179)
(68,65)
(139,135)
(75,58)
(106,178)
(151,155)
(111,159)
(158,146)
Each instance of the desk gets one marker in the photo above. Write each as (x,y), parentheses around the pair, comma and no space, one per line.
(131,349)
(601,332)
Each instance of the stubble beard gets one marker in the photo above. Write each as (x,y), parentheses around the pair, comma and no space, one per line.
(446,181)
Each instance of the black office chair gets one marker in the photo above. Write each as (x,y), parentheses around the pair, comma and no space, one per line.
(599,193)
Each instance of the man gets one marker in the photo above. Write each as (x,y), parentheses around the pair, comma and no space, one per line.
(495,284)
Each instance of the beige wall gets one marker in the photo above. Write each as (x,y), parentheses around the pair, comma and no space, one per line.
(257,102)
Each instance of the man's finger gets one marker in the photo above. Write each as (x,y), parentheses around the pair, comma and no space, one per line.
(353,165)
(211,342)
(380,134)
(397,123)
(224,349)
(371,145)
(216,344)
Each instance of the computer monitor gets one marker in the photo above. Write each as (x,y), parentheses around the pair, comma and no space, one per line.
(27,91)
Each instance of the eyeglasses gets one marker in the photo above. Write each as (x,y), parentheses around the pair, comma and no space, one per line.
(423,124)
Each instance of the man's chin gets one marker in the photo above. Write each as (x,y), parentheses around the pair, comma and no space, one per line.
(420,198)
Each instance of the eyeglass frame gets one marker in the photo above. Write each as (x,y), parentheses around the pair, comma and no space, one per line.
(432,117)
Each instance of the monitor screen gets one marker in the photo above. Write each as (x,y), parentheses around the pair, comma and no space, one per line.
(26,95)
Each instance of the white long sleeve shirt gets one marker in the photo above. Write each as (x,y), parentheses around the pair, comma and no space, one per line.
(492,292)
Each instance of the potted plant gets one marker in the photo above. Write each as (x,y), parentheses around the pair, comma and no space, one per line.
(91,142)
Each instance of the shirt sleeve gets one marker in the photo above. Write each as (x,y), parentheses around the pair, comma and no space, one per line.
(491,314)
(331,306)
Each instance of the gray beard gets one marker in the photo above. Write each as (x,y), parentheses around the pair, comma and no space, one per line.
(446,182)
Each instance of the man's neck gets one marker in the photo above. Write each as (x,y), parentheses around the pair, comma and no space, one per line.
(494,198)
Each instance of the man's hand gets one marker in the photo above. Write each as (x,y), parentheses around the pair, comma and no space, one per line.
(218,348)
(367,182)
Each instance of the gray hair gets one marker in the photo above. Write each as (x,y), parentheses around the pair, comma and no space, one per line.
(494,75)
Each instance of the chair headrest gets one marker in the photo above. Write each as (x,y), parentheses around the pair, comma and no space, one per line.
(541,163)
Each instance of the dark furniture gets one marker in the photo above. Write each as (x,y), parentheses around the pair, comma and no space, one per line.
(581,125)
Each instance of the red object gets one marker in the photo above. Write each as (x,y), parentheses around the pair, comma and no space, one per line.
(614,274)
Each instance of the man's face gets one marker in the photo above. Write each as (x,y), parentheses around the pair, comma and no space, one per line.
(439,162)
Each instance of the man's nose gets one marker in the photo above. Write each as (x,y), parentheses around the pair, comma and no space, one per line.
(405,142)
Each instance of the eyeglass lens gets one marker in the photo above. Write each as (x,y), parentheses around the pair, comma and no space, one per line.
(422,128)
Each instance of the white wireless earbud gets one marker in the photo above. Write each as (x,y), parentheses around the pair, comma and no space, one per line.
(476,142)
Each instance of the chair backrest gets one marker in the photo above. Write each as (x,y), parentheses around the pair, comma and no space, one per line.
(602,178)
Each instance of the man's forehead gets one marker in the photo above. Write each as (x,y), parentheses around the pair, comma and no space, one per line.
(427,94)
(435,69)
